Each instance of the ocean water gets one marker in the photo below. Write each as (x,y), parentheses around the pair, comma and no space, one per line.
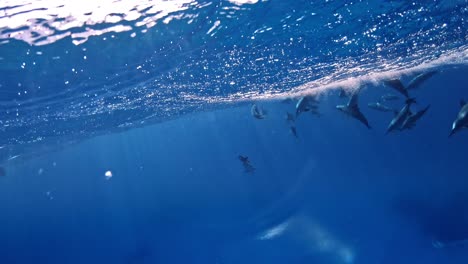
(124,124)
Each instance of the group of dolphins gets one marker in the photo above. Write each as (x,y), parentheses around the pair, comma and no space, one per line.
(403,119)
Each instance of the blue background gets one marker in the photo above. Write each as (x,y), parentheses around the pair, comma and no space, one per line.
(168,112)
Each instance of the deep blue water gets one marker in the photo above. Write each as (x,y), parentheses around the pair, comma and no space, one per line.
(163,103)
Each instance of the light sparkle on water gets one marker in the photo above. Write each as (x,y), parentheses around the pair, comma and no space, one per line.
(108,175)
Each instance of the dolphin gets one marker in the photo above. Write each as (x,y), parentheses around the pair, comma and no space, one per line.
(380,107)
(462,118)
(243,159)
(306,103)
(246,163)
(389,97)
(401,116)
(257,112)
(397,85)
(419,79)
(352,109)
(411,120)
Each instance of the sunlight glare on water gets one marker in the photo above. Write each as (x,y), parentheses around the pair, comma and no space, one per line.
(43,22)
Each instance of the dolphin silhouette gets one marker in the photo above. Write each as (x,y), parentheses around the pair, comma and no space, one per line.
(257,112)
(462,118)
(389,97)
(419,79)
(411,120)
(401,116)
(380,107)
(352,109)
(306,103)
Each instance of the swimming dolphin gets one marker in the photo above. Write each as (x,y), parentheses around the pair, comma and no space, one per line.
(306,103)
(246,163)
(462,118)
(411,120)
(243,159)
(257,112)
(389,97)
(419,79)
(352,109)
(397,85)
(401,116)
(380,107)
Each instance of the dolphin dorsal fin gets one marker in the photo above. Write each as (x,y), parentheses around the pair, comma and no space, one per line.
(462,103)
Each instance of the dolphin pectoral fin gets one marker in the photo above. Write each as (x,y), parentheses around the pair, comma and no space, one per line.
(462,103)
